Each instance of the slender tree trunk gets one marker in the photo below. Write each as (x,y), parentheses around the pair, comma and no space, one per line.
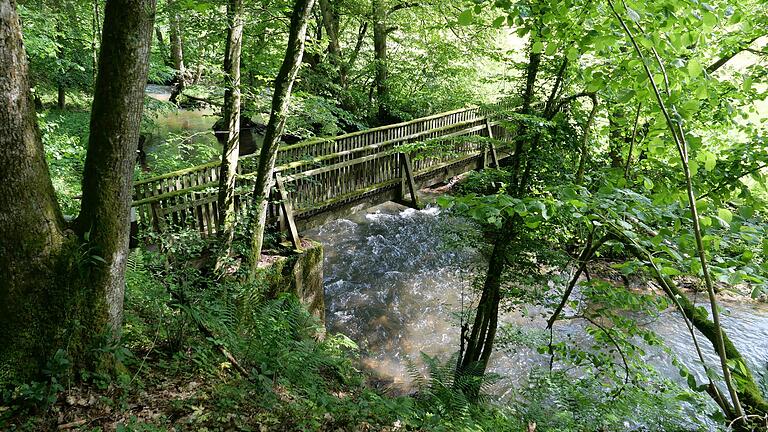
(31,225)
(95,38)
(61,99)
(283,84)
(532,71)
(112,146)
(617,136)
(331,25)
(231,151)
(177,57)
(584,153)
(381,60)
(61,95)
(162,47)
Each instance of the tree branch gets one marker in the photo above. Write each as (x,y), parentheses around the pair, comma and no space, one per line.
(726,58)
(404,5)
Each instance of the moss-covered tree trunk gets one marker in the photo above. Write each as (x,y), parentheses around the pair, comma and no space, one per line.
(31,224)
(107,179)
(283,84)
(231,150)
(58,291)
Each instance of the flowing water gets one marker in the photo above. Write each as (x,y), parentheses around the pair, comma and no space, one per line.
(395,279)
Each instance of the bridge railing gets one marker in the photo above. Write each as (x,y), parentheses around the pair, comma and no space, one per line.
(318,173)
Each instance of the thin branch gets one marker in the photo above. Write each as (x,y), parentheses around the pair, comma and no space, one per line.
(731,180)
(401,6)
(632,141)
(679,138)
(726,58)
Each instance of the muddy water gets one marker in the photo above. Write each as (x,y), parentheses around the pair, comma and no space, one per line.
(395,284)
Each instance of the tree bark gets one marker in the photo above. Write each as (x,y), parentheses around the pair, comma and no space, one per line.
(61,95)
(532,71)
(161,46)
(177,57)
(584,151)
(112,146)
(231,151)
(280,100)
(31,224)
(381,61)
(331,24)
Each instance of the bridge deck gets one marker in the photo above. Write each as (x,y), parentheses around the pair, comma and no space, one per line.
(325,176)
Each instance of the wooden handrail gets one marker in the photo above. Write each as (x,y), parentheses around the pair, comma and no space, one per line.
(363,161)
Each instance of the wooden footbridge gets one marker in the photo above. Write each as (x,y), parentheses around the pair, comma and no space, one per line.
(320,179)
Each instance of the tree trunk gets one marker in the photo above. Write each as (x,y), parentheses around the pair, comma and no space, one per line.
(231,151)
(331,24)
(161,46)
(31,224)
(177,57)
(280,100)
(480,342)
(61,95)
(104,220)
(532,71)
(584,151)
(96,38)
(380,62)
(617,136)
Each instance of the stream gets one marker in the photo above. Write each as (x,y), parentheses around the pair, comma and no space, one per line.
(395,280)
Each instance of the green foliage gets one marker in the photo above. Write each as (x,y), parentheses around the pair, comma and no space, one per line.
(558,401)
(65,138)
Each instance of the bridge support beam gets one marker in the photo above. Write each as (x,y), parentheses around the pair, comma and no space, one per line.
(287,222)
(490,148)
(408,181)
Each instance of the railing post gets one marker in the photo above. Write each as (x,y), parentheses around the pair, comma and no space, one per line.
(407,179)
(286,213)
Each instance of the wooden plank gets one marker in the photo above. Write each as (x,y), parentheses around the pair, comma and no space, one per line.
(287,210)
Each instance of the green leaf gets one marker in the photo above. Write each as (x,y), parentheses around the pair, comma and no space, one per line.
(710,20)
(498,22)
(647,183)
(756,291)
(634,16)
(694,68)
(747,86)
(572,54)
(551,48)
(702,92)
(537,47)
(466,17)
(725,215)
(709,159)
(670,271)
